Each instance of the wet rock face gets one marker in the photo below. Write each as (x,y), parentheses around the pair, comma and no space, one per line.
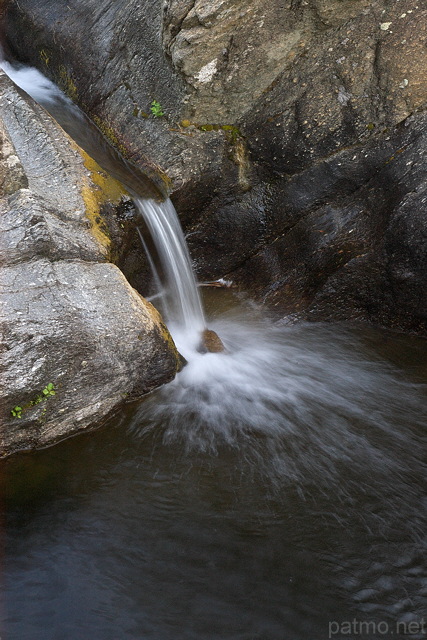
(76,340)
(111,61)
(278,117)
(360,252)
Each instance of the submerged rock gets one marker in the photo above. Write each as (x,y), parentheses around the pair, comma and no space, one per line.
(282,135)
(210,342)
(77,340)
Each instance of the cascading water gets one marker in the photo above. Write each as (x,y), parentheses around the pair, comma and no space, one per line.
(179,294)
(181,299)
(32,82)
(81,129)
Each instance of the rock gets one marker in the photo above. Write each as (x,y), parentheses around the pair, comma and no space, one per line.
(12,176)
(77,340)
(79,326)
(94,53)
(360,254)
(277,124)
(211,342)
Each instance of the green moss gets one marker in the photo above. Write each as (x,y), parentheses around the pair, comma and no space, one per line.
(238,152)
(62,77)
(233,133)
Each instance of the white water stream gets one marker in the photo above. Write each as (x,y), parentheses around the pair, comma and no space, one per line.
(32,82)
(181,300)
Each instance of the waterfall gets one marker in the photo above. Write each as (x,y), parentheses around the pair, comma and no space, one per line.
(181,300)
(180,297)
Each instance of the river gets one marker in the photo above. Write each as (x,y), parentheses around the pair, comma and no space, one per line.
(276,492)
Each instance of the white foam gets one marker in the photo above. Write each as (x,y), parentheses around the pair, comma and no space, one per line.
(32,82)
(305,402)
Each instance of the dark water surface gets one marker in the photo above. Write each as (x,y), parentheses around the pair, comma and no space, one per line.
(275,493)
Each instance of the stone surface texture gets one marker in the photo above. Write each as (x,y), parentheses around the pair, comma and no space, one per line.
(69,318)
(289,126)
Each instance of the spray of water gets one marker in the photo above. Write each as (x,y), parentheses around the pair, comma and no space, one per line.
(306,405)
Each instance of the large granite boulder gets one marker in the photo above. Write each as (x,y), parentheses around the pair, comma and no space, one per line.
(279,117)
(77,340)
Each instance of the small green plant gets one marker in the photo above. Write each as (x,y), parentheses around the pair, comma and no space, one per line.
(16,412)
(156,109)
(49,390)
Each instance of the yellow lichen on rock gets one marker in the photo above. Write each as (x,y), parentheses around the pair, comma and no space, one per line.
(97,189)
(44,57)
(157,320)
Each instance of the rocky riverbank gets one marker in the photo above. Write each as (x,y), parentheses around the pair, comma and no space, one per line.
(77,339)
